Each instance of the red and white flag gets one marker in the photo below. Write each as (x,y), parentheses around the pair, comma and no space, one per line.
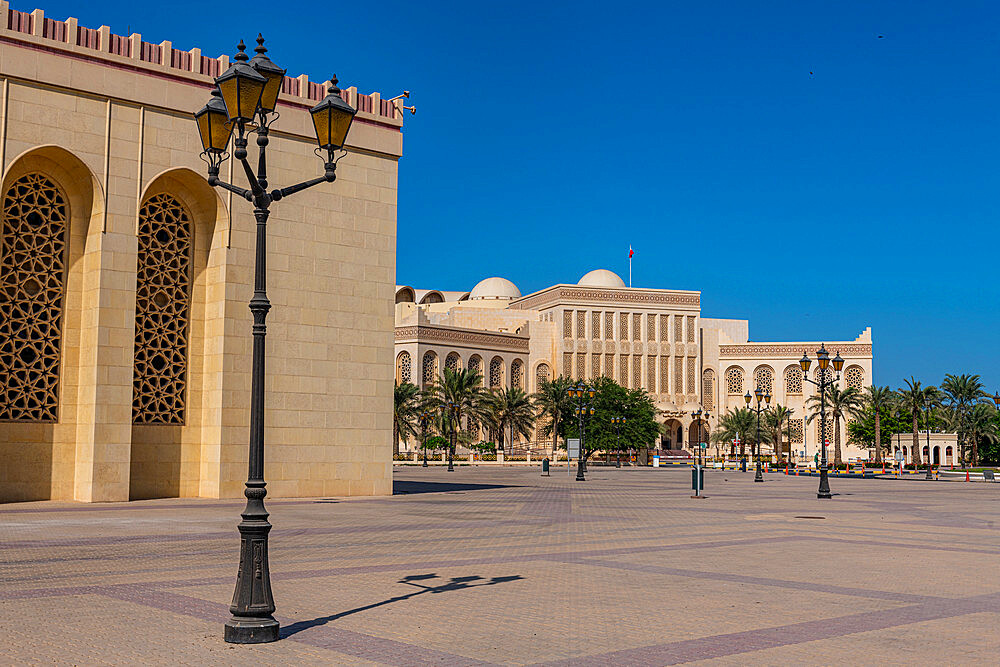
(630,252)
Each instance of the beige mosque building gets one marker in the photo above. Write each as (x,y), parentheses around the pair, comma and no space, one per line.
(654,339)
(124,280)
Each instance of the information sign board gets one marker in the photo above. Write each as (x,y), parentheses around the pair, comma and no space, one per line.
(573,447)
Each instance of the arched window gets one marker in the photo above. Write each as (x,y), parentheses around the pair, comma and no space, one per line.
(476,366)
(763,379)
(32,285)
(855,377)
(517,374)
(826,376)
(795,429)
(405,295)
(430,368)
(708,388)
(453,361)
(542,374)
(734,381)
(162,306)
(793,379)
(496,373)
(404,368)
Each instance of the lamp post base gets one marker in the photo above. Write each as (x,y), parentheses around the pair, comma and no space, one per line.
(758,476)
(824,484)
(247,630)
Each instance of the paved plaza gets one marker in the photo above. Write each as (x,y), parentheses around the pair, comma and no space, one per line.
(503,566)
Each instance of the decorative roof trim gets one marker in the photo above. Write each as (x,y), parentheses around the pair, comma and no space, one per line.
(769,350)
(552,296)
(462,337)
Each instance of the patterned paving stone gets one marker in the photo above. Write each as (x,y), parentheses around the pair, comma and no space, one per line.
(502,566)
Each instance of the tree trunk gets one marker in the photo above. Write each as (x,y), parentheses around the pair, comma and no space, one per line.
(975,452)
(837,460)
(555,437)
(914,454)
(878,440)
(500,439)
(395,438)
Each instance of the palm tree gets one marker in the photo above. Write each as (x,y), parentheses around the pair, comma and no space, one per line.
(981,424)
(405,413)
(961,394)
(879,400)
(462,389)
(775,419)
(552,402)
(916,398)
(841,402)
(739,423)
(510,408)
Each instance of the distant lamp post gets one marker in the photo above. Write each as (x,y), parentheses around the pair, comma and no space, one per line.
(766,397)
(453,422)
(425,418)
(243,100)
(930,453)
(583,395)
(699,416)
(617,423)
(825,382)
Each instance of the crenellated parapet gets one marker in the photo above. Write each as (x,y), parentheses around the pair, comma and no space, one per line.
(116,50)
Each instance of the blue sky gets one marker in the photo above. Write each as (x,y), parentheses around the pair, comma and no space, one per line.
(778,156)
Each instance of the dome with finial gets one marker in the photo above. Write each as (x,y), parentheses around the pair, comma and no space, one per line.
(601,278)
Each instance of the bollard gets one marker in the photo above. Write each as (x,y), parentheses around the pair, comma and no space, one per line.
(967,476)
(545,467)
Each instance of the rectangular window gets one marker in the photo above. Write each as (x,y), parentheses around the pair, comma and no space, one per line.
(624,371)
(609,326)
(678,328)
(623,326)
(636,372)
(678,375)
(690,375)
(651,374)
(581,371)
(567,324)
(691,331)
(664,375)
(567,368)
(609,365)
(651,327)
(595,365)
(595,325)
(664,328)
(581,324)
(636,326)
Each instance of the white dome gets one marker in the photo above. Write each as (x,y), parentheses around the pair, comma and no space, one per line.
(494,288)
(602,278)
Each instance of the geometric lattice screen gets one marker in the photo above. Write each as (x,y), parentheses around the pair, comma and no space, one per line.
(162,306)
(32,277)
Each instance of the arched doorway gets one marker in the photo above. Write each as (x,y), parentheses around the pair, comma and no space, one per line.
(937,455)
(673,435)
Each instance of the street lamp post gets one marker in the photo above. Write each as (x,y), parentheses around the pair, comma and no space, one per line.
(700,461)
(930,454)
(452,421)
(244,99)
(584,396)
(617,422)
(823,358)
(759,394)
(425,417)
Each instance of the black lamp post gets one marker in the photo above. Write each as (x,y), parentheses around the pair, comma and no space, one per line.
(452,421)
(823,358)
(617,422)
(425,417)
(584,397)
(759,394)
(930,454)
(244,100)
